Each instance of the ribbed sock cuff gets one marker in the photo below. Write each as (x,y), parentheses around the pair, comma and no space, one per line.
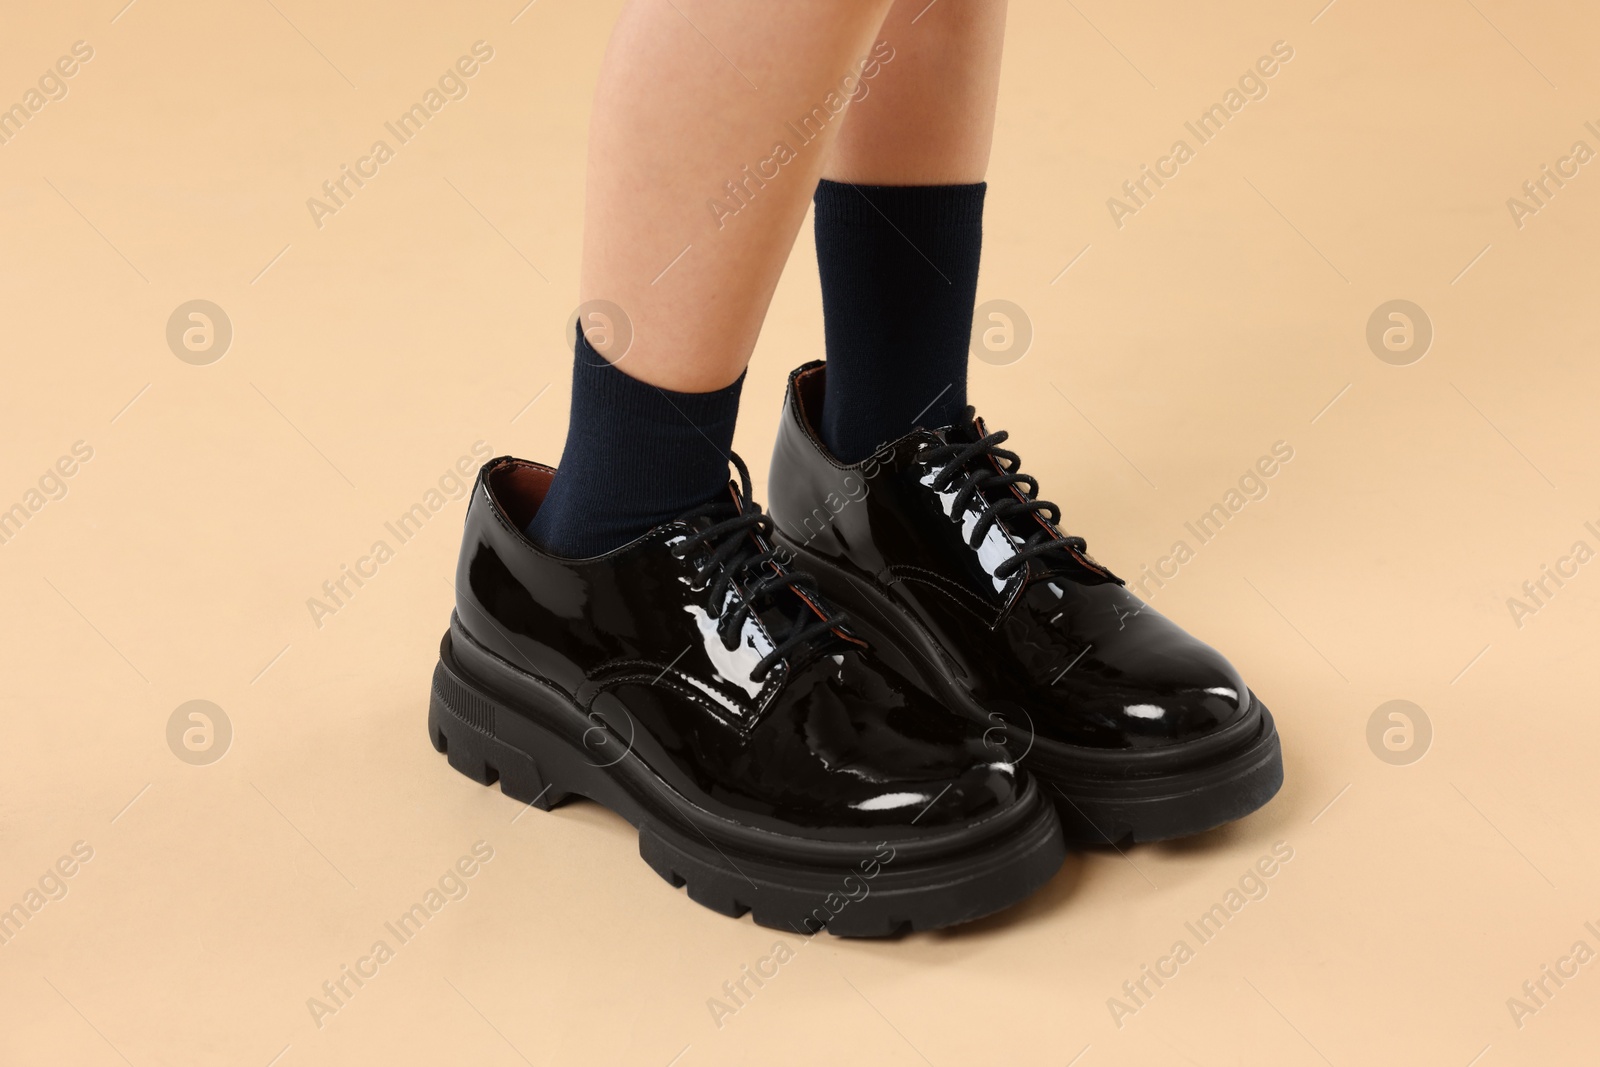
(604,394)
(918,206)
(636,456)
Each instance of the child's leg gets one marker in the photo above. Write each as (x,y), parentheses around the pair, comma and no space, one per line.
(899,226)
(711,124)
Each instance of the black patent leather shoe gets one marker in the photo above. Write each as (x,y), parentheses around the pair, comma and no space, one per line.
(943,554)
(696,686)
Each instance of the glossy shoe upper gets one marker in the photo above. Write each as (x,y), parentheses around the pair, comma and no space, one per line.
(1044,638)
(697,652)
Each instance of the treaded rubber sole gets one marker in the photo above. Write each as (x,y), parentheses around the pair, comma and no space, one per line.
(527,743)
(1173,804)
(1101,799)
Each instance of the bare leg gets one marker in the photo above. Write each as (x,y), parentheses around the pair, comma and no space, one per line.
(711,124)
(930,116)
(691,93)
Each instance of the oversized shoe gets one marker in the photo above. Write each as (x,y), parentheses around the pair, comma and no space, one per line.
(955,571)
(694,685)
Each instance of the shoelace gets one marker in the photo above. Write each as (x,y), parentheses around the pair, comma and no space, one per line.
(968,467)
(736,551)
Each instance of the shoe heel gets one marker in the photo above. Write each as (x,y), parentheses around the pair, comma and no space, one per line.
(461,723)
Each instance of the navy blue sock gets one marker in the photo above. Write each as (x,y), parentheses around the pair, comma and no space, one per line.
(899,266)
(636,456)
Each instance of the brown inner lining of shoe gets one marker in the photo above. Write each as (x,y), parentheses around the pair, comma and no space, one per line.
(519,488)
(808,387)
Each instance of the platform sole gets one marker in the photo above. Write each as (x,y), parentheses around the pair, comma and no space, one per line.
(498,723)
(1099,810)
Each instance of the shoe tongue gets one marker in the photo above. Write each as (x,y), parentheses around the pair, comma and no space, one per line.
(960,433)
(782,608)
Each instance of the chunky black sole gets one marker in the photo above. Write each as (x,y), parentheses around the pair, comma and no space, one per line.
(496,722)
(1100,809)
(1104,797)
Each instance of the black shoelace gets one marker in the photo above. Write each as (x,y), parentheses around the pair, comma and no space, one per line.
(968,467)
(735,541)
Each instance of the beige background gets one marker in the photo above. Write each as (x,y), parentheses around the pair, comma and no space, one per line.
(370,354)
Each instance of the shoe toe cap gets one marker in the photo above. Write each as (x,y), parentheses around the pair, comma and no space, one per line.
(1173,693)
